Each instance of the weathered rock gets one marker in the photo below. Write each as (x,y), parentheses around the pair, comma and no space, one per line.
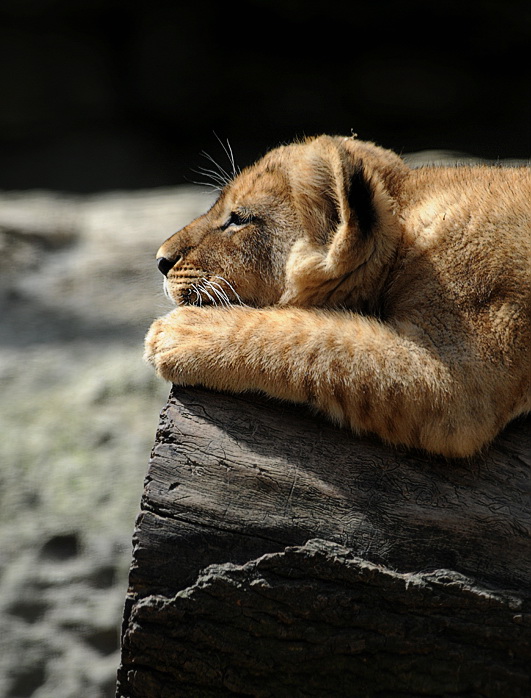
(422,564)
(315,621)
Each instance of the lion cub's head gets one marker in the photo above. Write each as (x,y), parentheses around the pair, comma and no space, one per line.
(309,224)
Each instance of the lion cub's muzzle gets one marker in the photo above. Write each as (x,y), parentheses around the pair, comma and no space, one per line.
(185,284)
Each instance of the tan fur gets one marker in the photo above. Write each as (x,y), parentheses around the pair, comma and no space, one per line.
(416,327)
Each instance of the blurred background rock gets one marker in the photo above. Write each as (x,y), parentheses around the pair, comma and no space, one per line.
(105,107)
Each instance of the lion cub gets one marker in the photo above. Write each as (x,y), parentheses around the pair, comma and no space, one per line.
(396,301)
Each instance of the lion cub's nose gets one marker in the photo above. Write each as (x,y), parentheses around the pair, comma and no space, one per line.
(164,264)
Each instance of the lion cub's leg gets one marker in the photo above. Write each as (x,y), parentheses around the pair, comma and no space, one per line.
(357,370)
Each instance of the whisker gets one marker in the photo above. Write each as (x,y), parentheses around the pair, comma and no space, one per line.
(221,171)
(230,155)
(203,290)
(220,292)
(215,184)
(199,299)
(216,187)
(166,290)
(217,297)
(232,289)
(215,176)
(235,169)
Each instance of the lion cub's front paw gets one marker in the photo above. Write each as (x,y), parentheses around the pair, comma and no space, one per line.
(176,343)
(154,342)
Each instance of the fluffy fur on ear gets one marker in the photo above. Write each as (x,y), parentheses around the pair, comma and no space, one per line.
(347,211)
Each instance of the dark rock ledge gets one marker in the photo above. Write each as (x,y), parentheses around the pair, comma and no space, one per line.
(276,555)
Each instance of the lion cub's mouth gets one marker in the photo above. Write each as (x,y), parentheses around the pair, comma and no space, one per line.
(214,291)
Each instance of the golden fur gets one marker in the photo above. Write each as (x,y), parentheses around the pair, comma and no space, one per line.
(396,301)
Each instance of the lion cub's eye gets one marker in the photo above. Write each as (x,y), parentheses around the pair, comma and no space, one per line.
(238,218)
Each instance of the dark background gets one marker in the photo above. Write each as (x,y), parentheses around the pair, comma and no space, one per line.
(98,94)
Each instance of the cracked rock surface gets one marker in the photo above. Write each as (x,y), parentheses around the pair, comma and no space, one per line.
(315,620)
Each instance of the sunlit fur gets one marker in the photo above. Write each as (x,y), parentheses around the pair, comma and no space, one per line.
(396,301)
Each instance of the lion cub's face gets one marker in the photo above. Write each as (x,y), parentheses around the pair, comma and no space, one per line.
(236,252)
(298,227)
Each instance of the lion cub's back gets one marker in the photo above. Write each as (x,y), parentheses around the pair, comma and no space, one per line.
(467,254)
(460,205)
(469,228)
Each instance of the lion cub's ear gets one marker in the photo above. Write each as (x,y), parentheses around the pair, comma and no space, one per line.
(344,193)
(318,187)
(341,198)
